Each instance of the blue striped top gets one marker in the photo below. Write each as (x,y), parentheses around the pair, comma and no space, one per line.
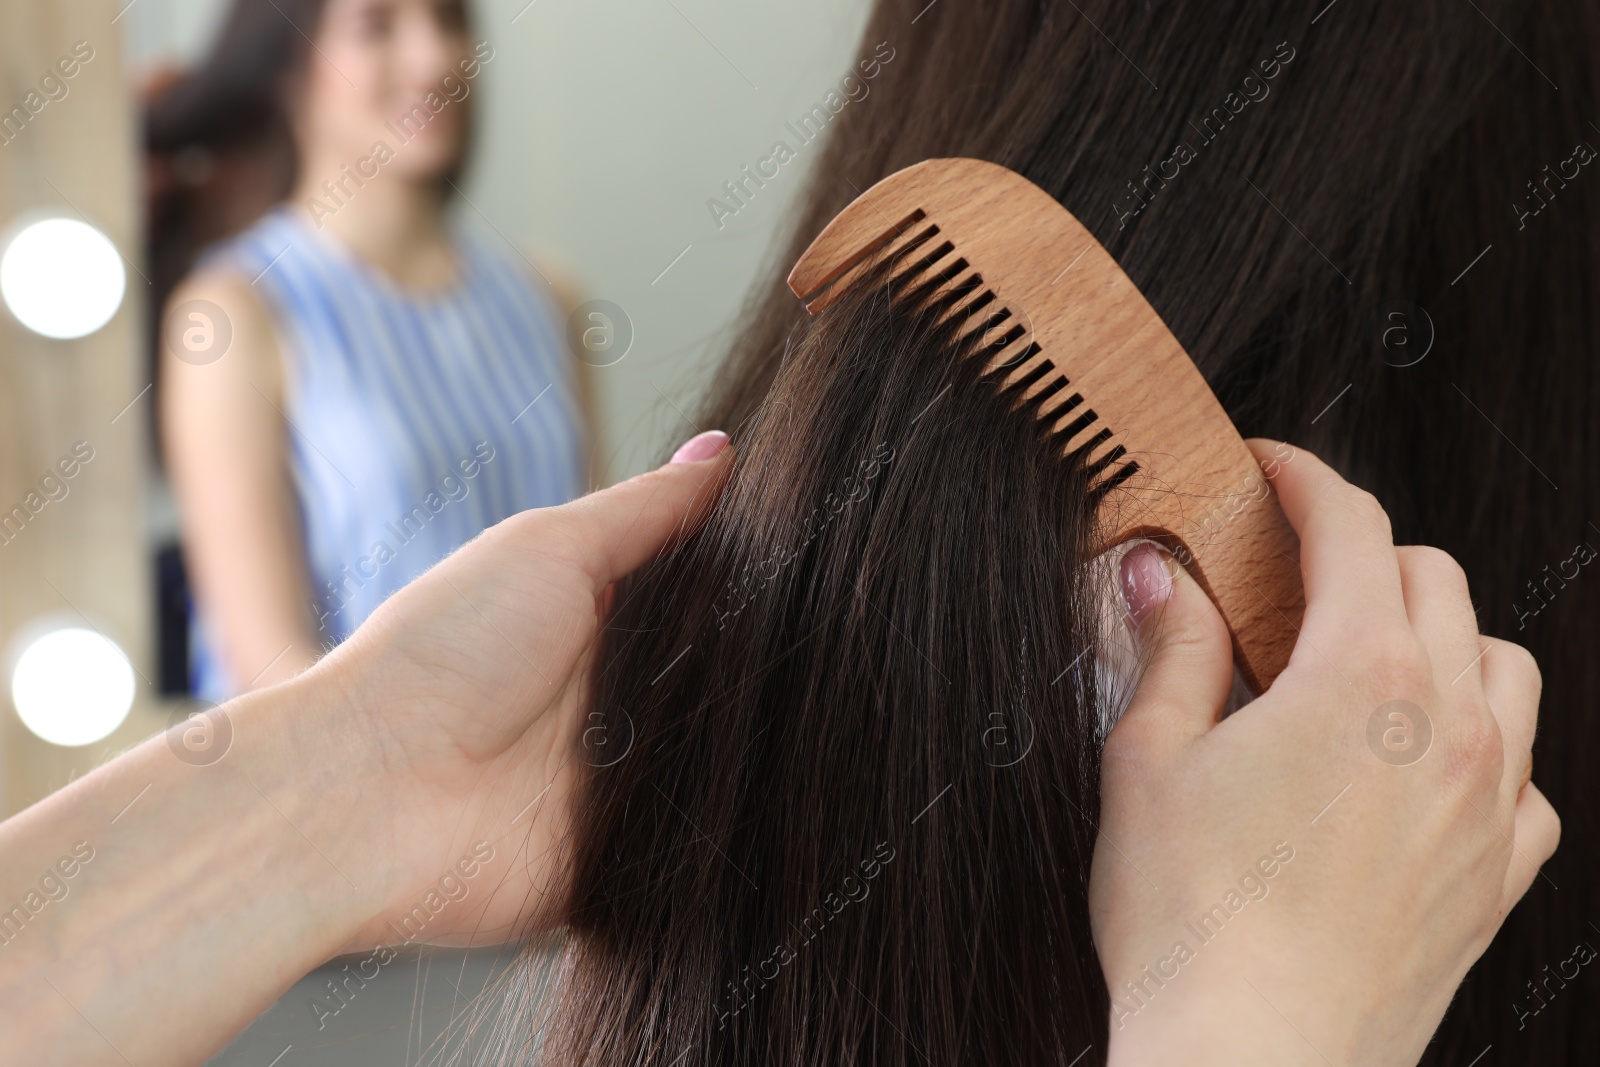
(414,420)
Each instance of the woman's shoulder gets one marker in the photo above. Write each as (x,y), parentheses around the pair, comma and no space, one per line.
(253,249)
(214,313)
(215,282)
(221,376)
(560,282)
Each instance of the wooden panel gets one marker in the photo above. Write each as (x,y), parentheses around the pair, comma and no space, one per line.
(83,557)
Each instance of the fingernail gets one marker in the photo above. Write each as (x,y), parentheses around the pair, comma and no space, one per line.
(701,446)
(1146,582)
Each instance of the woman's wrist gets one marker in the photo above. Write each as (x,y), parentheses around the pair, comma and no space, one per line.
(1225,1024)
(358,791)
(219,874)
(306,754)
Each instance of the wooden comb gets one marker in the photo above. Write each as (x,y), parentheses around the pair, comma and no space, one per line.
(1126,399)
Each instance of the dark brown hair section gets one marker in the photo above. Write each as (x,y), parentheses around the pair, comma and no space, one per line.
(1378,154)
(888,753)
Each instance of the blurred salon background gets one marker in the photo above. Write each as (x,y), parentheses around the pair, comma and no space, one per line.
(299,295)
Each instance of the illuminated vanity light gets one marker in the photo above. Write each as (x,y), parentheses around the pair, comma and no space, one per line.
(72,687)
(62,278)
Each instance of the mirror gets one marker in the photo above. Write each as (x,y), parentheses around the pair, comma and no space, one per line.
(595,200)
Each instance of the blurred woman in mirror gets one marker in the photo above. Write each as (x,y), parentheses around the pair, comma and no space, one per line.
(350,387)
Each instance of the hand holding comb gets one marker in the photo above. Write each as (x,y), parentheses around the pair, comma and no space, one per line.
(1126,399)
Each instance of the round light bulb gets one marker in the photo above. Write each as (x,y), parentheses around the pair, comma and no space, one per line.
(62,278)
(72,687)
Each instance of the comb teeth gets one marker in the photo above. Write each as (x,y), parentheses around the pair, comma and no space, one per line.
(930,270)
(981,248)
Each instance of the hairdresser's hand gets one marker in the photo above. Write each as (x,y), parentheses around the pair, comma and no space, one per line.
(411,786)
(467,692)
(1285,886)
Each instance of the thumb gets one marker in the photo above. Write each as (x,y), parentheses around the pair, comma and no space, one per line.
(617,530)
(1185,647)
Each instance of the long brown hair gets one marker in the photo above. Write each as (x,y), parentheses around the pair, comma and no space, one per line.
(812,849)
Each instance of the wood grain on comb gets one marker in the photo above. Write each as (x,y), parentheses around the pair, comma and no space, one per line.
(1125,399)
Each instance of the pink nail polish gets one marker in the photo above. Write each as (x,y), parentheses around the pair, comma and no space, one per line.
(701,446)
(1146,581)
